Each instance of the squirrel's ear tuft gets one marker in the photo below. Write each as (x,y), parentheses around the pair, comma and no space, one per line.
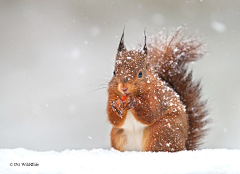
(121,46)
(145,44)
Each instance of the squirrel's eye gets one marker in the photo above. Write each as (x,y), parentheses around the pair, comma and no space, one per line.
(114,73)
(140,74)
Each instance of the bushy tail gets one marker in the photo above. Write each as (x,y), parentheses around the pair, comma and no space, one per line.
(168,56)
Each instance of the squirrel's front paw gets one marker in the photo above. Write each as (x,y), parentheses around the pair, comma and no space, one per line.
(117,106)
(131,103)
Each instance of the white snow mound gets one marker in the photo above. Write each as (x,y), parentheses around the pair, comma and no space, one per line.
(111,161)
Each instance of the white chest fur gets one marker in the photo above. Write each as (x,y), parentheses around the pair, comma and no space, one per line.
(133,131)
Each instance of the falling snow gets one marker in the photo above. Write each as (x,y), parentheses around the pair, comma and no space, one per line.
(218,26)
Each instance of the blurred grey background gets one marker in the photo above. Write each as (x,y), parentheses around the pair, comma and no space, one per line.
(56,58)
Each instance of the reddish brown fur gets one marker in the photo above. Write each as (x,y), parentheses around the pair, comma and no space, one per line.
(164,99)
(177,77)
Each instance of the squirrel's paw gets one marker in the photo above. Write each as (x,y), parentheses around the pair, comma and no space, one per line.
(117,106)
(131,103)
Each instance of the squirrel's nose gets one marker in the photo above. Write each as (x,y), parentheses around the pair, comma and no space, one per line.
(124,89)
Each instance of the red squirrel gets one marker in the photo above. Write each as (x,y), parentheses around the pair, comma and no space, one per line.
(153,103)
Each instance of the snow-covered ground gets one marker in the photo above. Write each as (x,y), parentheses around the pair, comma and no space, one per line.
(111,161)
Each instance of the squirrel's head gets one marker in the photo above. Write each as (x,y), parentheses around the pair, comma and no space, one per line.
(130,73)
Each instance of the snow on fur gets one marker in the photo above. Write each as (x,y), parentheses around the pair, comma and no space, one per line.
(98,160)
